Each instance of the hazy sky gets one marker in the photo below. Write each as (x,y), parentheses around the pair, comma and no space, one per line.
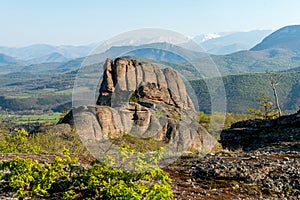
(74,22)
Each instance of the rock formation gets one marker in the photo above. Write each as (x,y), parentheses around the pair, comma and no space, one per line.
(123,76)
(254,134)
(144,101)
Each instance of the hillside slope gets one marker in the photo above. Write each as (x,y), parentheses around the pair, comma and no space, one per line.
(286,38)
(242,91)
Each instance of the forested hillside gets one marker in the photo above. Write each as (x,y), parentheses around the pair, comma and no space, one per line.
(242,91)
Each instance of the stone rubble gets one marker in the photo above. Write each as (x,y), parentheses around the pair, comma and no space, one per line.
(229,175)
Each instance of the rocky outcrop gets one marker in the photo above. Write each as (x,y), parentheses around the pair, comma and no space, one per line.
(278,133)
(144,101)
(123,76)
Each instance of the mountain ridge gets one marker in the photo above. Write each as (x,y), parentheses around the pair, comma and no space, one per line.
(6,60)
(227,43)
(287,37)
(52,57)
(240,62)
(39,50)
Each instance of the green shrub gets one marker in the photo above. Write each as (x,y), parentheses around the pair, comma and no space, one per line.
(18,142)
(66,179)
(46,140)
(266,108)
(23,142)
(142,145)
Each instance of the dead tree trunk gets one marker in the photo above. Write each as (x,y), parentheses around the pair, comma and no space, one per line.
(274,82)
(273,85)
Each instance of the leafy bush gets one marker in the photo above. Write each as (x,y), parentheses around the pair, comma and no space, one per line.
(65,178)
(131,175)
(19,142)
(142,145)
(46,140)
(23,142)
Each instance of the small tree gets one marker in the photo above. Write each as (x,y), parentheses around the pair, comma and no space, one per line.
(266,108)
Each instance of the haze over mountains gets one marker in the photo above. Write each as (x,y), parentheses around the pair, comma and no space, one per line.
(37,51)
(8,60)
(258,59)
(246,61)
(229,42)
(219,44)
(278,52)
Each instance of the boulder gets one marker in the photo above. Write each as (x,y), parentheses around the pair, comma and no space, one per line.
(255,134)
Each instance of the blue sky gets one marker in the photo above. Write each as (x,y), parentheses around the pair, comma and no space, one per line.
(76,22)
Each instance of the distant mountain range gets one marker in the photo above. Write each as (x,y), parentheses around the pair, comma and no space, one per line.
(297,69)
(230,42)
(52,57)
(215,43)
(8,60)
(272,54)
(43,50)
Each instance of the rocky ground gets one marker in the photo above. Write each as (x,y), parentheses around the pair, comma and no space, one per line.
(255,134)
(228,175)
(223,175)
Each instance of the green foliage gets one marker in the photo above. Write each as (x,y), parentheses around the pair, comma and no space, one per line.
(203,119)
(66,179)
(138,143)
(242,91)
(158,113)
(22,142)
(266,108)
(134,98)
(175,116)
(234,117)
(9,120)
(19,142)
(29,103)
(214,123)
(146,181)
(30,178)
(46,140)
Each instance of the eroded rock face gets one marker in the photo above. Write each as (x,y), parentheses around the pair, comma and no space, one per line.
(144,101)
(123,76)
(255,134)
